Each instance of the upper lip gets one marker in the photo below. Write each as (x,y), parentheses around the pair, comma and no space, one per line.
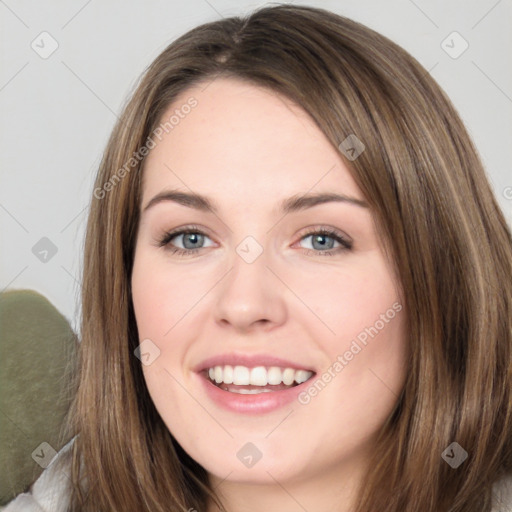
(249,360)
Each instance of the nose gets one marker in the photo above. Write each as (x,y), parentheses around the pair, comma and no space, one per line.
(251,296)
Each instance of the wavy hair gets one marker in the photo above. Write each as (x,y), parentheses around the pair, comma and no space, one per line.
(436,213)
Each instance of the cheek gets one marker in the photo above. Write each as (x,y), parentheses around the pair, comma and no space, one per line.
(366,349)
(160,299)
(163,294)
(348,299)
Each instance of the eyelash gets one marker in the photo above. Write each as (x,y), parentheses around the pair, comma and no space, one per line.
(346,245)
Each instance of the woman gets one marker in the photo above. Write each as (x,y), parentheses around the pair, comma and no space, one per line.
(341,337)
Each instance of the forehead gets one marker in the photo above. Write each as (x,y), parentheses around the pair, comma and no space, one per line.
(244,142)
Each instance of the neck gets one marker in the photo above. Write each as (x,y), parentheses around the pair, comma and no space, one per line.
(331,489)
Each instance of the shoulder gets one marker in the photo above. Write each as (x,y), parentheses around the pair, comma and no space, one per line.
(502,494)
(50,492)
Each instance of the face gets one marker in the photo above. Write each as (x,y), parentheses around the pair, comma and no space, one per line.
(263,285)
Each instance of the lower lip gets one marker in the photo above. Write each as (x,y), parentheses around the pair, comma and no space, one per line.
(255,404)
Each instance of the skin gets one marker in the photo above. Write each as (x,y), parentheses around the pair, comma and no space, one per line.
(247,149)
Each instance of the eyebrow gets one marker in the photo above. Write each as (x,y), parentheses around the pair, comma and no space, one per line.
(292,204)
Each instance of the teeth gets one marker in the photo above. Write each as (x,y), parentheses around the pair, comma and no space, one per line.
(227,374)
(288,376)
(243,391)
(257,376)
(241,375)
(274,375)
(302,376)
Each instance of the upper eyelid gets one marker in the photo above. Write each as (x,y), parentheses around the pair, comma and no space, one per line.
(304,232)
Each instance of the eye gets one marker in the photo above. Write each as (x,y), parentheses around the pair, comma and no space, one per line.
(320,240)
(191,237)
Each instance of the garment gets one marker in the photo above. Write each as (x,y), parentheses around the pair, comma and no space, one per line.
(502,492)
(50,492)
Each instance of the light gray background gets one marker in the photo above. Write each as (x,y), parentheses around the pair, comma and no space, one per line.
(57,113)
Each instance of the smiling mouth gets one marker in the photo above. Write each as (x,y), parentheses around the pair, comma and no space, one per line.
(259,379)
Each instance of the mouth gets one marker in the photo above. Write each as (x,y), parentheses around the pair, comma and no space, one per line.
(255,380)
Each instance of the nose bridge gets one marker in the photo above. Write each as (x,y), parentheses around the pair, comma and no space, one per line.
(250,293)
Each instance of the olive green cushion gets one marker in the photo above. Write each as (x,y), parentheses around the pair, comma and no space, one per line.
(37,349)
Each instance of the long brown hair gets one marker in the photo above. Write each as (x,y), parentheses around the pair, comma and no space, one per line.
(436,213)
